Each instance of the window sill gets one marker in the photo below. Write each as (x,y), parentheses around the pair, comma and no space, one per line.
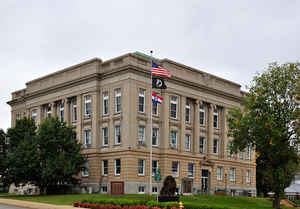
(141,174)
(104,146)
(104,174)
(117,174)
(117,145)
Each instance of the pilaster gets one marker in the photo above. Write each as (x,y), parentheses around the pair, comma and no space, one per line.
(196,130)
(210,129)
(181,119)
(79,121)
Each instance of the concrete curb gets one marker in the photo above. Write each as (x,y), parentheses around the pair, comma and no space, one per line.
(33,205)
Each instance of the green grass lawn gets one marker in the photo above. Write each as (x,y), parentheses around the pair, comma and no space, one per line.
(212,200)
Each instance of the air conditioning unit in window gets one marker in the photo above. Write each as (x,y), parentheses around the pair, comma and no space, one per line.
(87,116)
(141,142)
(173,146)
(87,145)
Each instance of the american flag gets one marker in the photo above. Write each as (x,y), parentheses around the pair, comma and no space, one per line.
(158,70)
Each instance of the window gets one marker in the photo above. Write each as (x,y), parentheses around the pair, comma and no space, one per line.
(241,154)
(117,134)
(248,155)
(154,166)
(117,166)
(141,100)
(18,116)
(141,189)
(155,136)
(34,116)
(173,139)
(232,174)
(105,103)
(175,169)
(105,136)
(154,108)
(187,142)
(154,189)
(216,118)
(48,113)
(191,169)
(202,144)
(248,176)
(202,115)
(61,112)
(74,110)
(216,146)
(187,111)
(173,107)
(141,135)
(118,100)
(219,173)
(141,167)
(87,106)
(87,138)
(104,189)
(104,167)
(85,170)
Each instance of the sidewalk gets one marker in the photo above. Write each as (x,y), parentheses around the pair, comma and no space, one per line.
(33,205)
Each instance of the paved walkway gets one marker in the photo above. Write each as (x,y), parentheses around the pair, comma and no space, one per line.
(32,205)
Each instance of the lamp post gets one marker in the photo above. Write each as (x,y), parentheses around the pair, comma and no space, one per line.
(225,183)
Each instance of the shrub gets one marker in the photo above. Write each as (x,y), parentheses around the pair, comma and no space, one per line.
(167,205)
(194,205)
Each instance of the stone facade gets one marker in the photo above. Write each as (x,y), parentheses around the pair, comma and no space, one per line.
(109,105)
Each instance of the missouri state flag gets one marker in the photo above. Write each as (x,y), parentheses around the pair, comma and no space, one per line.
(158,70)
(157,99)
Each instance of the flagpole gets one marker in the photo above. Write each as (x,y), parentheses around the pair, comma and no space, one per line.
(150,176)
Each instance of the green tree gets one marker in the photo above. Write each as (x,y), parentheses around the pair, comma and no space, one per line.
(23,156)
(49,158)
(269,122)
(3,157)
(61,159)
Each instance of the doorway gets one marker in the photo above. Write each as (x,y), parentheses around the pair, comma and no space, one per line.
(205,181)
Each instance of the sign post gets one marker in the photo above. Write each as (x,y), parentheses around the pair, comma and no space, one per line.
(157,178)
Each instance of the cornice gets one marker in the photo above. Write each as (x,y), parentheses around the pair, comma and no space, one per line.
(121,70)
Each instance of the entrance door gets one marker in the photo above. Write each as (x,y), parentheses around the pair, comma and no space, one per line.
(205,181)
(117,188)
(187,185)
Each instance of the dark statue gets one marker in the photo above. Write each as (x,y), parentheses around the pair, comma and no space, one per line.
(167,193)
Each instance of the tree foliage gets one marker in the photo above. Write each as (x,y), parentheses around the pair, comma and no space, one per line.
(48,157)
(3,156)
(269,122)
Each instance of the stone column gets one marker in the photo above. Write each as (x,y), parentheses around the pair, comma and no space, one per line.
(223,132)
(40,113)
(196,131)
(181,118)
(67,111)
(164,139)
(53,109)
(95,113)
(164,132)
(79,118)
(210,129)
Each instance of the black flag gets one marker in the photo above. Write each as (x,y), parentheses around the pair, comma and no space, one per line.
(158,83)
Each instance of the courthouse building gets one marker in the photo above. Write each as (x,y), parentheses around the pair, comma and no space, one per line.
(108,103)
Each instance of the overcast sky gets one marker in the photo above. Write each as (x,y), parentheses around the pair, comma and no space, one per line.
(231,39)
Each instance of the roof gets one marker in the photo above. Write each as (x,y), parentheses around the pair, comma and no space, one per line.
(293,188)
